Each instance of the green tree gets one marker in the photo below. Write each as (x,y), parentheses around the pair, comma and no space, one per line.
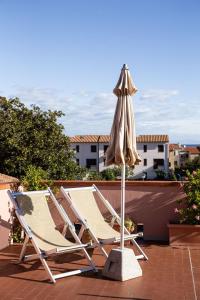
(33,179)
(93,175)
(32,137)
(193,165)
(190,212)
(111,173)
(190,166)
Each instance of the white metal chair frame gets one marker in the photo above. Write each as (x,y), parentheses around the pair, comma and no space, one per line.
(43,255)
(115,217)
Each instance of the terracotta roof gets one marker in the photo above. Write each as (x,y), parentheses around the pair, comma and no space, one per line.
(84,139)
(106,139)
(192,150)
(7,179)
(154,138)
(173,147)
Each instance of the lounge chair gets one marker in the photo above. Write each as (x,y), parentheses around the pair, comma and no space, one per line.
(85,208)
(33,213)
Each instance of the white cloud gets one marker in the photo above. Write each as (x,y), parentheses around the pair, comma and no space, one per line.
(47,98)
(86,112)
(158,94)
(174,116)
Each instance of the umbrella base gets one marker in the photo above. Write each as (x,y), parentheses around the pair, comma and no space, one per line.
(122,265)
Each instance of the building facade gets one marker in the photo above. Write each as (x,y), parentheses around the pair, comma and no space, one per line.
(180,154)
(154,154)
(153,149)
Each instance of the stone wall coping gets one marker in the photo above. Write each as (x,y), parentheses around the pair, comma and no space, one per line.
(118,183)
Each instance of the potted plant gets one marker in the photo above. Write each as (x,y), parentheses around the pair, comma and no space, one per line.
(129,224)
(187,232)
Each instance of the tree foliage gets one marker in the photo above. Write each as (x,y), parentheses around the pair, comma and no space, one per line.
(111,173)
(193,165)
(190,166)
(33,180)
(32,137)
(190,213)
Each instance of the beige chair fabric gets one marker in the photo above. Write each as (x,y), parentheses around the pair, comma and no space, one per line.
(35,210)
(86,205)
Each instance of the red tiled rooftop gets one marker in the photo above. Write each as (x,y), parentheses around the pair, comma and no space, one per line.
(170,274)
(106,138)
(192,150)
(173,147)
(84,139)
(155,138)
(7,179)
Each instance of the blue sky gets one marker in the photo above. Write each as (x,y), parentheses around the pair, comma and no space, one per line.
(67,55)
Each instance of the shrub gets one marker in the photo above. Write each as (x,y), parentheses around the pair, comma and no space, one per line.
(111,173)
(160,174)
(190,213)
(32,180)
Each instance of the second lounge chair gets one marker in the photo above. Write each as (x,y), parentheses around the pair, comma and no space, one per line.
(85,208)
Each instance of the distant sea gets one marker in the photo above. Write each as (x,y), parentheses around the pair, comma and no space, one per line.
(191,145)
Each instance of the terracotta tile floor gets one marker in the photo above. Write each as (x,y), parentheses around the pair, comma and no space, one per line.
(168,274)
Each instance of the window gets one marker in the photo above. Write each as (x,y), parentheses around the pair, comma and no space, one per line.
(90,162)
(145,162)
(105,147)
(160,148)
(93,148)
(77,148)
(158,163)
(77,161)
(145,148)
(175,163)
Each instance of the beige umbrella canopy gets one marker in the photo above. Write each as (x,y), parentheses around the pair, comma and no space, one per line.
(122,148)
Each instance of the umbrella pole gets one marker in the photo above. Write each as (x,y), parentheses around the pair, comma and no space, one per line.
(122,206)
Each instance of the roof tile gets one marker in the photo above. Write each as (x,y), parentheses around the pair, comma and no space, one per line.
(7,179)
(192,150)
(154,138)
(106,139)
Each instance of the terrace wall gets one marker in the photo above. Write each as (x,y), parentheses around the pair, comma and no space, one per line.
(149,202)
(5,215)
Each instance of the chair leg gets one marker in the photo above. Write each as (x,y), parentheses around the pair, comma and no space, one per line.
(89,260)
(21,257)
(81,232)
(102,250)
(47,269)
(139,248)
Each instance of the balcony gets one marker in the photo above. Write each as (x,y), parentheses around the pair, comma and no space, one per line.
(170,273)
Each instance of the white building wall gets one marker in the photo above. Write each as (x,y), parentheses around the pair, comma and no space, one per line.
(151,154)
(102,157)
(85,153)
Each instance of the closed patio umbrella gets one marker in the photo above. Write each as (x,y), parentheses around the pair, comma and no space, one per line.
(122,151)
(122,148)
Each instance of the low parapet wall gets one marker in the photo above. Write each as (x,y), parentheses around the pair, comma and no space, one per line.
(149,202)
(5,215)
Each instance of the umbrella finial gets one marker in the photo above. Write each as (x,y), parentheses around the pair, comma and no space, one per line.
(125,67)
